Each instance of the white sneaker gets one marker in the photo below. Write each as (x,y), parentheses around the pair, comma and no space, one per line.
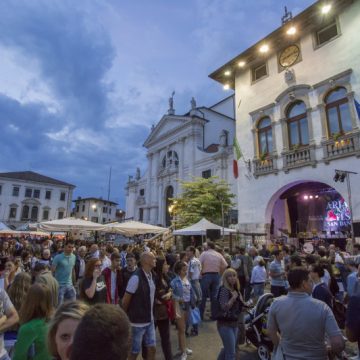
(189,351)
(183,356)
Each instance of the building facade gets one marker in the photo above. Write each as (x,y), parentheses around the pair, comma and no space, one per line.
(297,121)
(27,196)
(95,210)
(196,144)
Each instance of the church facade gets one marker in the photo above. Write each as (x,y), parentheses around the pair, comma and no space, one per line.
(196,144)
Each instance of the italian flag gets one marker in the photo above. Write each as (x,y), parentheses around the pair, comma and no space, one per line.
(237,157)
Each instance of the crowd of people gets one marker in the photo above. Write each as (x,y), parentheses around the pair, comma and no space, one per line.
(69,300)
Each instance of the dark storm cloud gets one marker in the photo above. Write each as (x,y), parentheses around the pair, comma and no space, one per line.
(72,55)
(72,52)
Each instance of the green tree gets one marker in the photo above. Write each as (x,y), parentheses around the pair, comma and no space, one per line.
(202,198)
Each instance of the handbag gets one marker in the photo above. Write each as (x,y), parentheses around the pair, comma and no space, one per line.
(170,309)
(194,316)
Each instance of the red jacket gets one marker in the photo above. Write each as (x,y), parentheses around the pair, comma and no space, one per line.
(107,275)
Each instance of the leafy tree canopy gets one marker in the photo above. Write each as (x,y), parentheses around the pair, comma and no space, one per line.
(201,198)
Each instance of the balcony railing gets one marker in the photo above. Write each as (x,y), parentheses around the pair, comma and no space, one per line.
(304,156)
(265,166)
(346,145)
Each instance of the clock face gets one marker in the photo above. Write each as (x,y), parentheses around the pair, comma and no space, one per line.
(289,56)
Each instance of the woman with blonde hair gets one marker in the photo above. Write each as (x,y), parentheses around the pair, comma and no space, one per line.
(34,316)
(229,308)
(19,288)
(17,294)
(62,328)
(9,275)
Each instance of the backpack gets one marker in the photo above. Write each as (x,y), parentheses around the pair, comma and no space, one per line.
(220,314)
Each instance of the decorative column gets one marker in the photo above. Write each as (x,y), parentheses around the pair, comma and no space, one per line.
(193,146)
(161,204)
(148,187)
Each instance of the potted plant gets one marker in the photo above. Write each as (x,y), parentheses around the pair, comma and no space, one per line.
(336,136)
(296,147)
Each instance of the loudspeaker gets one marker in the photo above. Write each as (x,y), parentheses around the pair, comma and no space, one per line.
(213,234)
(356,229)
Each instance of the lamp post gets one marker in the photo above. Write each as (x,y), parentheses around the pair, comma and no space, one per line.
(172,212)
(341,175)
(221,199)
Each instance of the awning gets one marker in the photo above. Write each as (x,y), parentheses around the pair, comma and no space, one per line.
(200,228)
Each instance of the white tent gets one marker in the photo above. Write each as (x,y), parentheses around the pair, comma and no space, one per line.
(200,228)
(131,228)
(69,224)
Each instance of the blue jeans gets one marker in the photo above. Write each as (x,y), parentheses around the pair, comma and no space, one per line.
(210,283)
(142,335)
(66,292)
(228,336)
(258,289)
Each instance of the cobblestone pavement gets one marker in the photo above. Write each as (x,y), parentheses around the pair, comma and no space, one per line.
(205,346)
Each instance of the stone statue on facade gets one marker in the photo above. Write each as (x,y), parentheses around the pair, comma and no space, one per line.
(193,103)
(171,110)
(223,138)
(289,76)
(137,175)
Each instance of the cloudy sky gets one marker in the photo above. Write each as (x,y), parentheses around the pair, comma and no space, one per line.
(81,82)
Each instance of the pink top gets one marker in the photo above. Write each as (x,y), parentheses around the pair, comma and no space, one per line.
(212,261)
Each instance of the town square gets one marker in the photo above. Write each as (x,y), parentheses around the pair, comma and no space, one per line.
(180,180)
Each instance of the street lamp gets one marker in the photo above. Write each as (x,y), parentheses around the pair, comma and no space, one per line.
(172,212)
(221,199)
(93,206)
(341,175)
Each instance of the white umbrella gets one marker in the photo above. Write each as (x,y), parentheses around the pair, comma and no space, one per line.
(69,224)
(36,233)
(9,232)
(200,228)
(3,226)
(131,228)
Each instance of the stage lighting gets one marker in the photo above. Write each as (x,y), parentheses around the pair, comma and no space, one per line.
(316,196)
(310,196)
(342,177)
(306,197)
(336,177)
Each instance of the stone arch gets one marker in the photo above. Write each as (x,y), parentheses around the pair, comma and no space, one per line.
(317,191)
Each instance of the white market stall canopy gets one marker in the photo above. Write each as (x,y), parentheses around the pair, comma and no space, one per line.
(131,228)
(69,224)
(3,226)
(200,228)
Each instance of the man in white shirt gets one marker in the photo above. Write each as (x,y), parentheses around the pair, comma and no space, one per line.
(138,302)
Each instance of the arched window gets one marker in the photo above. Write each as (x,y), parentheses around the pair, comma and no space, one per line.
(25,212)
(170,159)
(297,124)
(265,136)
(34,213)
(338,112)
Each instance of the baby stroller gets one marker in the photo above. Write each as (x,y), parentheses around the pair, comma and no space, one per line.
(255,327)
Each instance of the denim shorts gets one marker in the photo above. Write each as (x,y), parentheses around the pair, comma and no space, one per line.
(143,334)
